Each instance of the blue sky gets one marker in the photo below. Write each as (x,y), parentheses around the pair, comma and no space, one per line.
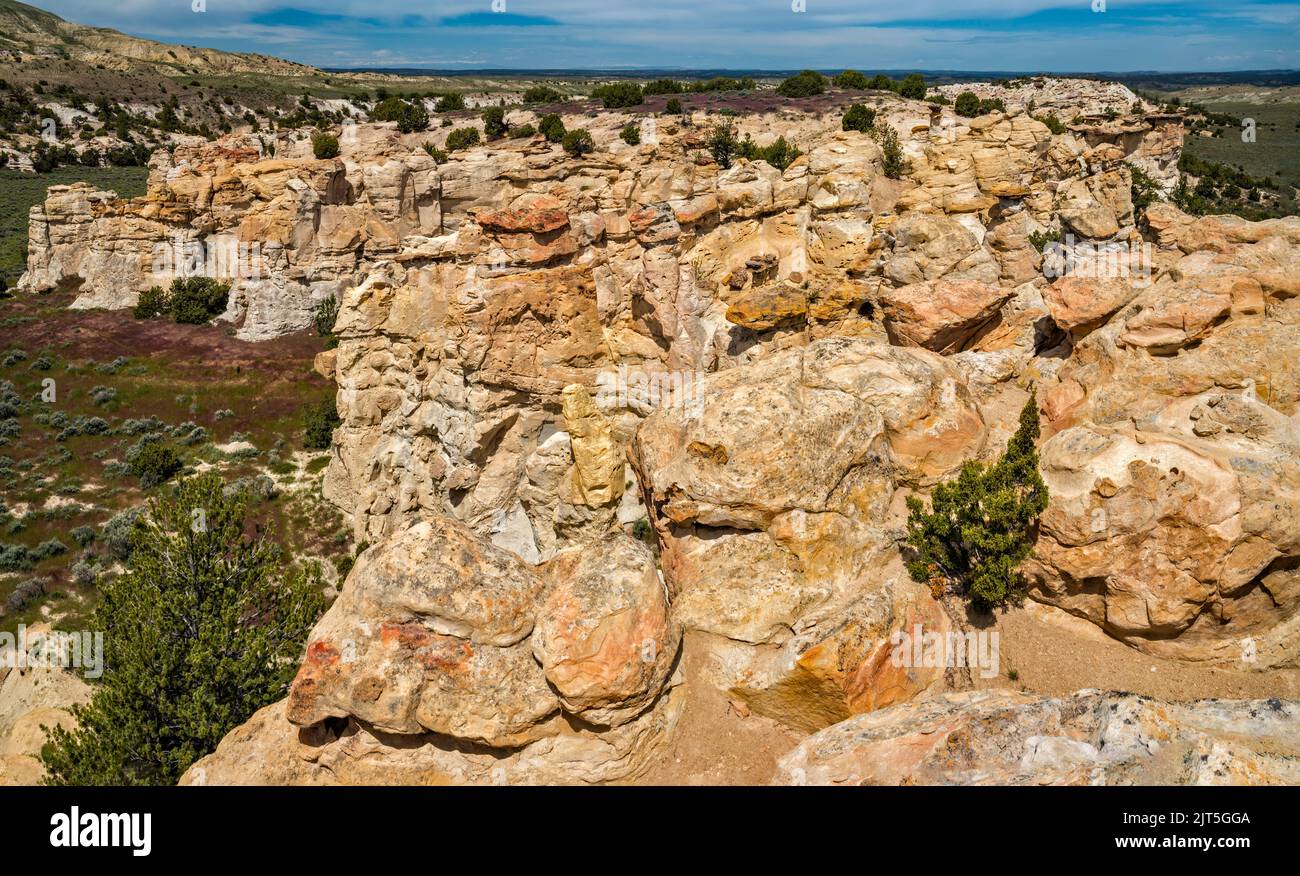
(1028,35)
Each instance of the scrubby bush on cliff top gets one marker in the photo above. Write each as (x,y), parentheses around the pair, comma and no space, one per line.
(725,148)
(324,145)
(200,632)
(578,142)
(462,138)
(542,94)
(967,104)
(858,118)
(494,122)
(913,86)
(551,127)
(853,79)
(804,84)
(618,95)
(980,526)
(448,103)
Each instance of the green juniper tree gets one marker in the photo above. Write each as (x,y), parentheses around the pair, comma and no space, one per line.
(200,631)
(980,526)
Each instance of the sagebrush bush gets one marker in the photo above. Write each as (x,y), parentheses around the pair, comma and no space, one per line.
(117,531)
(155,463)
(981,526)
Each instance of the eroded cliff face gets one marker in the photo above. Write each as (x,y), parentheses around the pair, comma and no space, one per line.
(1173,468)
(636,271)
(537,352)
(287,232)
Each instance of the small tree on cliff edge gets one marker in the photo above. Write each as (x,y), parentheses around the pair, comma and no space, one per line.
(980,526)
(199,633)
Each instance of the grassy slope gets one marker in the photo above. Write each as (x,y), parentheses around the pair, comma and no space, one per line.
(179,374)
(1276,150)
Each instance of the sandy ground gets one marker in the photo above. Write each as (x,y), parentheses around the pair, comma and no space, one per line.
(716,743)
(1054,653)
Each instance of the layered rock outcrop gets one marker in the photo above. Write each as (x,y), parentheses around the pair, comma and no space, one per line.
(286,232)
(1174,472)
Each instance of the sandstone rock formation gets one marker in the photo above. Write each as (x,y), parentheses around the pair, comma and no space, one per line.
(540,355)
(772,507)
(1090,738)
(286,232)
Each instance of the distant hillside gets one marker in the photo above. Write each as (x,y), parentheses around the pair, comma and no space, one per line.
(33,31)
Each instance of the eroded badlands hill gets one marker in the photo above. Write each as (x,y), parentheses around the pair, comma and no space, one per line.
(538,351)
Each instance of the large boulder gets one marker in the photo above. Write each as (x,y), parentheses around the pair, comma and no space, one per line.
(942,315)
(604,636)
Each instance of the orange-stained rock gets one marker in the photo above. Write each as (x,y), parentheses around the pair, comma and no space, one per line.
(604,636)
(942,315)
(1080,304)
